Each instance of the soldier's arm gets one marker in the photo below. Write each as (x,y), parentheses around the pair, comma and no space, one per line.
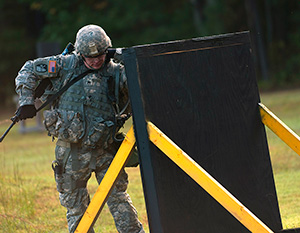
(32,73)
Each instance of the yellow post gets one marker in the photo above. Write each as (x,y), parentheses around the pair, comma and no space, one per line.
(107,183)
(219,193)
(279,128)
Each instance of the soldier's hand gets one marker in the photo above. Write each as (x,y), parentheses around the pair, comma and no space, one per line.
(26,111)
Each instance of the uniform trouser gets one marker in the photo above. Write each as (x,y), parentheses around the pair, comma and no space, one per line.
(73,194)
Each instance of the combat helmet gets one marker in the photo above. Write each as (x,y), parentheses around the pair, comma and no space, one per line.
(91,41)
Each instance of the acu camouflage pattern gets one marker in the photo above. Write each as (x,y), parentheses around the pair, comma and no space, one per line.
(30,75)
(71,183)
(91,40)
(84,112)
(76,200)
(65,125)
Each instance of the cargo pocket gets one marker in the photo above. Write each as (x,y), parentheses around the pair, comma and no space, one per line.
(65,125)
(50,119)
(98,132)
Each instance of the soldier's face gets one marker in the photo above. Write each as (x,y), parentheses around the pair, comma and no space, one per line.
(94,62)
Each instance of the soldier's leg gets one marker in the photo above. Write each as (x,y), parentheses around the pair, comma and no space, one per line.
(76,203)
(121,207)
(71,186)
(119,202)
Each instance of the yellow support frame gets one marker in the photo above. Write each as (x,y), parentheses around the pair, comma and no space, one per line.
(101,195)
(219,193)
(188,165)
(279,128)
(207,182)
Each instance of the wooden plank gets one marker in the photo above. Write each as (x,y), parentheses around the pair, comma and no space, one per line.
(279,128)
(204,97)
(145,159)
(210,185)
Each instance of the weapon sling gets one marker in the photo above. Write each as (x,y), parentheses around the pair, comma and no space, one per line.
(15,118)
(63,89)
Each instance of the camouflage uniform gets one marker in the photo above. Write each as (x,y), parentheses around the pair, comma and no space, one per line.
(82,120)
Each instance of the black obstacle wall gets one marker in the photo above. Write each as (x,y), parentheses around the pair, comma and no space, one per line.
(202,93)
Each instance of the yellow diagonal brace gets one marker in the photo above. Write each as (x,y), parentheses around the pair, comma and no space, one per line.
(219,193)
(279,128)
(107,183)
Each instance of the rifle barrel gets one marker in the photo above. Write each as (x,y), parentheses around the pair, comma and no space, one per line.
(9,128)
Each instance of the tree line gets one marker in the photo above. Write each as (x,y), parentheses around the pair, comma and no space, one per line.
(273,24)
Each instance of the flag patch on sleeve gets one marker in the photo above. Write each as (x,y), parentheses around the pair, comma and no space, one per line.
(52,67)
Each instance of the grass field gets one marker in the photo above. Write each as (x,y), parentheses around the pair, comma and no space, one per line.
(29,201)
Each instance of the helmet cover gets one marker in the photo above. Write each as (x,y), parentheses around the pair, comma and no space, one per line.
(91,41)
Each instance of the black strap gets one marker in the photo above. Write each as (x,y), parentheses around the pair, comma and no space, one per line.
(63,89)
(93,160)
(40,90)
(74,156)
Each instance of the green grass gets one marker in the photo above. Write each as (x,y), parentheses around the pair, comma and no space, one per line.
(29,201)
(28,197)
(285,162)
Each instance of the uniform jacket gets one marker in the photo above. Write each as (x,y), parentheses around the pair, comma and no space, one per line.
(84,113)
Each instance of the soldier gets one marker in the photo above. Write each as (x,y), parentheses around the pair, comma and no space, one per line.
(83,119)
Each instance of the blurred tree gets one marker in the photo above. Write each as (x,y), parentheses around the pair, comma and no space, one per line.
(17,39)
(127,22)
(257,36)
(284,42)
(132,22)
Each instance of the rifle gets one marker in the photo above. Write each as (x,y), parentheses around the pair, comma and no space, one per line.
(39,91)
(14,121)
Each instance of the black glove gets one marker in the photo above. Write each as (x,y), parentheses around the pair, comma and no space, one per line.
(26,111)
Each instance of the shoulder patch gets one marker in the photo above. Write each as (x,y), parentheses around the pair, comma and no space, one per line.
(46,67)
(52,66)
(41,68)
